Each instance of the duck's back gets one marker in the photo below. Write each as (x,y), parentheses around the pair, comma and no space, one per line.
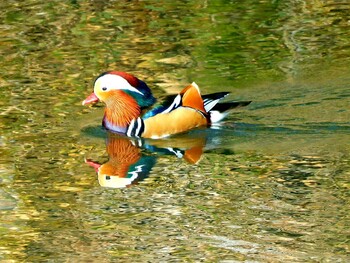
(184,113)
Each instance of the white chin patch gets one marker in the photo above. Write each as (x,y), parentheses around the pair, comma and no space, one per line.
(114,82)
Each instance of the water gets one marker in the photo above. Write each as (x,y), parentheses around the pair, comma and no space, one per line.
(272,184)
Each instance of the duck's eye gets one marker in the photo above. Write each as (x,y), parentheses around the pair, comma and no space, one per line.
(104,88)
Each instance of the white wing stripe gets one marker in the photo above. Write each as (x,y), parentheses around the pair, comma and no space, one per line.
(130,128)
(139,126)
(210,104)
(173,105)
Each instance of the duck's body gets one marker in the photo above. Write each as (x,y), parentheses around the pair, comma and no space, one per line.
(126,98)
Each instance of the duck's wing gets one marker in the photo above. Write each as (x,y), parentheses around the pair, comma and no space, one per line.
(210,100)
(188,97)
(169,103)
(186,111)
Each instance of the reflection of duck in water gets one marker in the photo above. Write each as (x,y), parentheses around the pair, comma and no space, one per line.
(126,98)
(127,165)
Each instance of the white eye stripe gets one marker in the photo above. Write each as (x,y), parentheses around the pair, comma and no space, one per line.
(114,82)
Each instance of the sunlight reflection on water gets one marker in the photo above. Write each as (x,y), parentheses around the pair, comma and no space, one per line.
(272,182)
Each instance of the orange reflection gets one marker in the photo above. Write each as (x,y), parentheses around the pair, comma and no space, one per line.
(131,160)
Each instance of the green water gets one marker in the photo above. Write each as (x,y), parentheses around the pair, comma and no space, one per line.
(273,182)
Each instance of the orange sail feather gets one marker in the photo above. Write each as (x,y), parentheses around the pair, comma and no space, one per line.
(192,97)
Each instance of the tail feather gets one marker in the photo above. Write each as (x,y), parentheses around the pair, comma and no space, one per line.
(215,96)
(220,110)
(210,100)
(224,106)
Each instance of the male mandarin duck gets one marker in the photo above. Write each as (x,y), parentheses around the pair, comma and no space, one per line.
(127,98)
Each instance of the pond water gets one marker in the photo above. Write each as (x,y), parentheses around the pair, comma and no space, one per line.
(271,184)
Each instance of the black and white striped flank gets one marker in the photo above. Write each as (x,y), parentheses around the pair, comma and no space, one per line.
(135,128)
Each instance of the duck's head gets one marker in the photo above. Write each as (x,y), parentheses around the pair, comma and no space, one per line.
(112,86)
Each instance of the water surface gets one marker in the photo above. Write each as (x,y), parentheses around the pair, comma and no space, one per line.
(272,184)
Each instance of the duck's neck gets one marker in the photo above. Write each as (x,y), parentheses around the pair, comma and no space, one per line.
(119,112)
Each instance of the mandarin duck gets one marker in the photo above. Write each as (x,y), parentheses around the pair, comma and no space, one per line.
(127,100)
